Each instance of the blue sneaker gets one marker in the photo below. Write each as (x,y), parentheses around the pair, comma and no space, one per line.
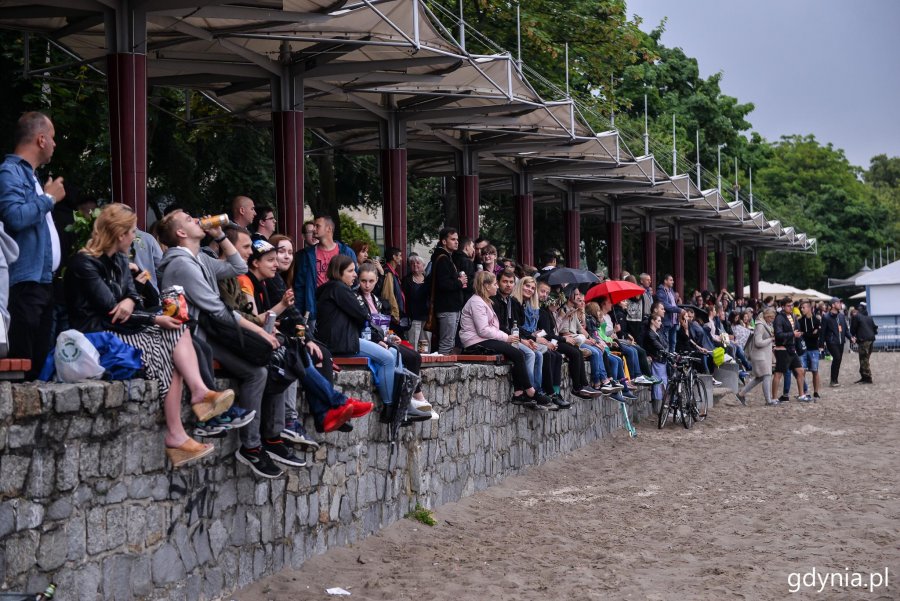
(209,429)
(235,418)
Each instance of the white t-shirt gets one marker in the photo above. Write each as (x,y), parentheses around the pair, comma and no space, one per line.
(54,236)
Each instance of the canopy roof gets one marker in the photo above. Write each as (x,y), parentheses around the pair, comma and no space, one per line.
(889,274)
(355,68)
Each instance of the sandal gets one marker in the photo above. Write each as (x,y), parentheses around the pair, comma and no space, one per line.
(213,404)
(190,450)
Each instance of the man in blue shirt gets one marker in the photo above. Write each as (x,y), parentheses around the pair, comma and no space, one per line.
(25,210)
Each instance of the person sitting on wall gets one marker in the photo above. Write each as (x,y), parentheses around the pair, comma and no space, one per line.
(101,296)
(480,334)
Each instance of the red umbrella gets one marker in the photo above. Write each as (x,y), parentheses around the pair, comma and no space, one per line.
(616,290)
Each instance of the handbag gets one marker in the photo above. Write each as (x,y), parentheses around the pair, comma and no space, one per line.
(254,349)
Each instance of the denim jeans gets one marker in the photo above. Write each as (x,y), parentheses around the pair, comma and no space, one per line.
(598,370)
(320,394)
(534,363)
(385,361)
(449,323)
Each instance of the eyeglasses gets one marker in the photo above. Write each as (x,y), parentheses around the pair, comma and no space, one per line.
(269,218)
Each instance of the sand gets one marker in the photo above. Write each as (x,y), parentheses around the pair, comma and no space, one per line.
(727,510)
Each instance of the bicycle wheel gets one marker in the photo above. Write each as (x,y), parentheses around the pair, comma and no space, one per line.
(666,406)
(701,400)
(687,406)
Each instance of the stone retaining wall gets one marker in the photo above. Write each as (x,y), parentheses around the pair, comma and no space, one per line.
(87,500)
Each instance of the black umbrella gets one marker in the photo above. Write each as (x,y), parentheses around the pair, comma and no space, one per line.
(566,275)
(702,313)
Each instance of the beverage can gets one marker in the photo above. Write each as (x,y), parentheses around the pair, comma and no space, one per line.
(211,221)
(269,326)
(461,274)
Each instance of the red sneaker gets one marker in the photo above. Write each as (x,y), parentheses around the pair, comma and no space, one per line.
(337,417)
(360,408)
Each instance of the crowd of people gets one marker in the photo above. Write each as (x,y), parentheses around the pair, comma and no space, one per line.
(275,314)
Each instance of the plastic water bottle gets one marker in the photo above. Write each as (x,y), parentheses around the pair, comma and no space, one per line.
(367,332)
(515,330)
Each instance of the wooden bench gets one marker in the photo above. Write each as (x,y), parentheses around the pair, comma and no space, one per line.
(14,369)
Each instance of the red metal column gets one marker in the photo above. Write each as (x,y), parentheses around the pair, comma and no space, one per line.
(721,267)
(288,142)
(393,183)
(754,277)
(572,237)
(678,266)
(126,86)
(738,272)
(650,256)
(467,187)
(524,204)
(614,248)
(702,267)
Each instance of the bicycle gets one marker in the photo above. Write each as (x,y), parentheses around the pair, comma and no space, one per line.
(684,396)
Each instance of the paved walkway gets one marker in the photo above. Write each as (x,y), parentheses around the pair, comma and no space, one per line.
(740,507)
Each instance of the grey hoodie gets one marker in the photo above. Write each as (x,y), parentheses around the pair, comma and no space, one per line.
(198,276)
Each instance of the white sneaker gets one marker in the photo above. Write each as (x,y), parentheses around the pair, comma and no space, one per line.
(422,405)
(434,414)
(716,382)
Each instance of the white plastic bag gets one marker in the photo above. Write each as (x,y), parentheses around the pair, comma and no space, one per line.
(76,358)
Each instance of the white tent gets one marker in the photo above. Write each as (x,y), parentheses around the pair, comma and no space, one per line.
(812,293)
(859,296)
(776,290)
(883,286)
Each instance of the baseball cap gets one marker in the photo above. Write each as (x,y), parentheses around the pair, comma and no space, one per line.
(261,247)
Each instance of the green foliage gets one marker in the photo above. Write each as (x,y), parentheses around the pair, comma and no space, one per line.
(424,209)
(421,514)
(82,226)
(353,232)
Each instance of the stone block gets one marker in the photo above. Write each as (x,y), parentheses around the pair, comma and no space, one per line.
(7,518)
(26,401)
(157,521)
(113,463)
(21,553)
(141,578)
(67,398)
(52,550)
(92,396)
(114,395)
(42,474)
(21,435)
(96,530)
(218,536)
(6,401)
(116,533)
(68,466)
(76,541)
(181,539)
(200,544)
(28,515)
(166,566)
(135,527)
(80,427)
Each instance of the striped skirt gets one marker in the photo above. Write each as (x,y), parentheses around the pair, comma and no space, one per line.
(157,347)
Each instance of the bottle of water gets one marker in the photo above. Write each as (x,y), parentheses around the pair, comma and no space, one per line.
(515,330)
(367,332)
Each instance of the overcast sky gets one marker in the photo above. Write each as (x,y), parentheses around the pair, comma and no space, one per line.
(825,67)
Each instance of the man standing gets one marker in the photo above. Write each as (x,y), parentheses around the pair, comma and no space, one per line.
(811,327)
(666,295)
(264,225)
(464,259)
(312,267)
(834,333)
(448,286)
(862,332)
(243,211)
(25,211)
(786,357)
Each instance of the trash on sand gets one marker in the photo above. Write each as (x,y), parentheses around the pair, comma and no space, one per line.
(336,591)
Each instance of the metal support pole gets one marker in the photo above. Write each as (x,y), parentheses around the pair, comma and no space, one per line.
(646,129)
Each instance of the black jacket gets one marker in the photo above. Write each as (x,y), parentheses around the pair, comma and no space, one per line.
(94,285)
(464,263)
(812,332)
(863,327)
(448,293)
(784,331)
(508,313)
(340,317)
(547,322)
(655,345)
(834,328)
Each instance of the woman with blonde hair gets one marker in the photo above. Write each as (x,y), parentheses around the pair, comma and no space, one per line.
(101,296)
(528,313)
(761,358)
(480,333)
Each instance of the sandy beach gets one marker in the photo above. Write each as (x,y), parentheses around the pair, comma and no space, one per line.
(742,506)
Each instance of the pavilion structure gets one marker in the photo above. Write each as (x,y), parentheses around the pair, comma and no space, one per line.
(386,77)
